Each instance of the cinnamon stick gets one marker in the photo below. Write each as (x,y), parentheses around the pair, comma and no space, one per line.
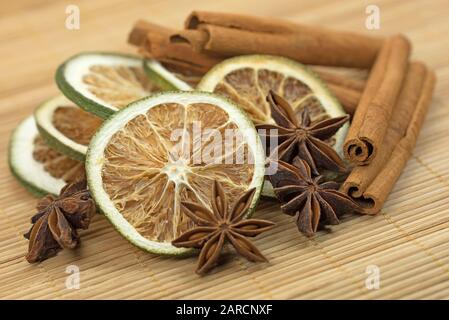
(370,185)
(348,97)
(347,89)
(153,42)
(231,35)
(347,81)
(373,113)
(239,21)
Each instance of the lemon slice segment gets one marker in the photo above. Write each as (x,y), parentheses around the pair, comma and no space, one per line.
(146,159)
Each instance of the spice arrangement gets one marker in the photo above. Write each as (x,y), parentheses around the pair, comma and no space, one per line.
(124,137)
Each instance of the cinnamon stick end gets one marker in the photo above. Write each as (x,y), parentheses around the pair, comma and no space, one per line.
(192,20)
(359,152)
(138,34)
(401,39)
(351,189)
(367,204)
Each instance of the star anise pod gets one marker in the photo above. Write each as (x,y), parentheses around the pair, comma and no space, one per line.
(220,225)
(300,137)
(316,203)
(54,225)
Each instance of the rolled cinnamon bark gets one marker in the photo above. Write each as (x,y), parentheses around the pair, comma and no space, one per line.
(230,35)
(373,113)
(239,21)
(370,185)
(346,81)
(153,42)
(348,97)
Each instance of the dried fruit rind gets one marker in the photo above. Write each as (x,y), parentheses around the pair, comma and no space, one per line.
(138,175)
(102,83)
(23,165)
(66,127)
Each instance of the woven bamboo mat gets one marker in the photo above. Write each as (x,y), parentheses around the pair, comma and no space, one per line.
(408,241)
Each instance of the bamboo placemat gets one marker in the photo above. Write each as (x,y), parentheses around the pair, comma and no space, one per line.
(408,241)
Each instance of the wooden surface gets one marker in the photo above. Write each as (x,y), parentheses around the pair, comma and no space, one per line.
(408,241)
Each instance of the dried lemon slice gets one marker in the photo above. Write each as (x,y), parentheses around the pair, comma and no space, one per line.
(103,83)
(246,80)
(36,166)
(65,127)
(147,158)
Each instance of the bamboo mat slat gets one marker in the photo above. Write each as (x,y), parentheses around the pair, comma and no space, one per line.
(407,241)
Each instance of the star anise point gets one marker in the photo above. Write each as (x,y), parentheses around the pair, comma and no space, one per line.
(221,224)
(315,203)
(300,137)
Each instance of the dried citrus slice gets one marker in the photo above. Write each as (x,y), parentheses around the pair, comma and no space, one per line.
(246,80)
(103,83)
(147,158)
(65,127)
(40,169)
(169,77)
